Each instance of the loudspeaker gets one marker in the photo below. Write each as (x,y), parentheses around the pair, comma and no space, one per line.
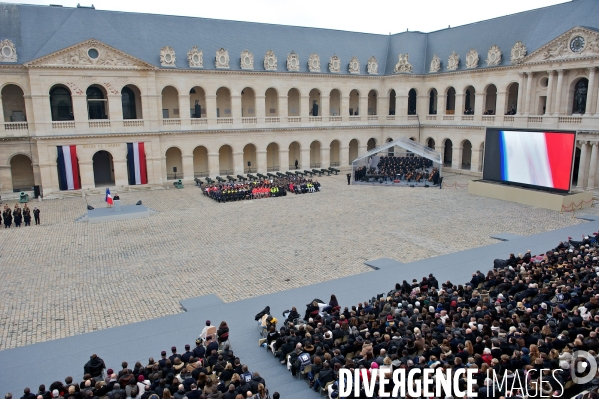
(411,185)
(174,169)
(138,202)
(249,164)
(426,185)
(90,208)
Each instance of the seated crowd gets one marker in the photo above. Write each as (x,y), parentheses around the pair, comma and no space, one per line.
(411,168)
(224,192)
(531,314)
(210,370)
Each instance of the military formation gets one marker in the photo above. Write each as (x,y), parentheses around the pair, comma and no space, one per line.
(18,216)
(227,192)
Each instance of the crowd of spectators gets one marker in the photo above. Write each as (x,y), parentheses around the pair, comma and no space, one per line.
(210,370)
(226,192)
(531,314)
(409,168)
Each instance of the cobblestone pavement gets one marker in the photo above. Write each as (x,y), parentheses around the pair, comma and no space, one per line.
(65,277)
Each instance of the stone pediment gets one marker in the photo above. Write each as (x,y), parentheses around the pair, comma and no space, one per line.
(90,54)
(574,44)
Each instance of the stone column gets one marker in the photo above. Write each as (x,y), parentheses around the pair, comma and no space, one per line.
(592,167)
(456,158)
(582,165)
(307,107)
(4,117)
(520,104)
(401,105)
(557,109)
(529,76)
(363,107)
(325,157)
(479,103)
(284,159)
(211,109)
(213,164)
(188,173)
(80,111)
(422,106)
(235,109)
(86,171)
(283,107)
(474,159)
(184,111)
(115,111)
(120,173)
(6,178)
(262,163)
(548,104)
(382,105)
(344,104)
(459,104)
(260,108)
(304,161)
(344,156)
(500,103)
(324,108)
(590,92)
(237,163)
(441,103)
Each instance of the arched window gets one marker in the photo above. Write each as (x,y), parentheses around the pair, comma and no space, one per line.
(96,103)
(412,102)
(128,101)
(61,104)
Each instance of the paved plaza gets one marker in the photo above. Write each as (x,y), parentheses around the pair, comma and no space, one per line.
(67,277)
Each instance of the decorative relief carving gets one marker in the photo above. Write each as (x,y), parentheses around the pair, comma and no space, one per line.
(472,59)
(314,63)
(167,56)
(578,42)
(518,53)
(247,60)
(74,88)
(373,66)
(8,51)
(493,55)
(222,59)
(453,62)
(335,64)
(110,88)
(270,61)
(354,65)
(90,53)
(403,65)
(293,63)
(195,58)
(435,64)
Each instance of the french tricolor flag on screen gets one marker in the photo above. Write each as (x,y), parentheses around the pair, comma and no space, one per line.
(68,168)
(537,158)
(136,162)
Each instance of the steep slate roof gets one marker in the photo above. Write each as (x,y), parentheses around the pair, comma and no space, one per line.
(41,30)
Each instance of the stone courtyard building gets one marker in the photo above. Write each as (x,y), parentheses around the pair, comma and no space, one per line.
(80,88)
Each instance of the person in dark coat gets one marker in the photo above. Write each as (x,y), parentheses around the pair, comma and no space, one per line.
(94,367)
(36,215)
(17,216)
(27,215)
(7,215)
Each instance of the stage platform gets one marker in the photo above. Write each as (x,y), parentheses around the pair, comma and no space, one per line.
(403,183)
(561,202)
(126,212)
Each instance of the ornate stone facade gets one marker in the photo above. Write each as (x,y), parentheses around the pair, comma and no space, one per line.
(493,56)
(335,64)
(222,59)
(435,64)
(246,60)
(293,63)
(453,62)
(195,58)
(472,59)
(518,53)
(403,65)
(314,63)
(167,56)
(270,61)
(373,66)
(354,65)
(8,51)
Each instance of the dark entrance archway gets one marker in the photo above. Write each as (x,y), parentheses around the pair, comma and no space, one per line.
(103,169)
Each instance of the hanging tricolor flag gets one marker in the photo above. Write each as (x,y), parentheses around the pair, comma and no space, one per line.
(108,196)
(136,163)
(68,168)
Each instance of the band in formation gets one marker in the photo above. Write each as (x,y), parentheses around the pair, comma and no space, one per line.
(408,168)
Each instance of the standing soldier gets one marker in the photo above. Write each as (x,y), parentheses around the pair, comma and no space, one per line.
(17,215)
(36,215)
(27,215)
(348,178)
(7,217)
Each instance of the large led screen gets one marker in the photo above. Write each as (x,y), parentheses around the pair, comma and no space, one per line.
(530,158)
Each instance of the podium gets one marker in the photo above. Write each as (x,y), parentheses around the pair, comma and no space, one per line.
(117,205)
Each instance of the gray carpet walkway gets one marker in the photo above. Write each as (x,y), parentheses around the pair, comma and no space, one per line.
(54,360)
